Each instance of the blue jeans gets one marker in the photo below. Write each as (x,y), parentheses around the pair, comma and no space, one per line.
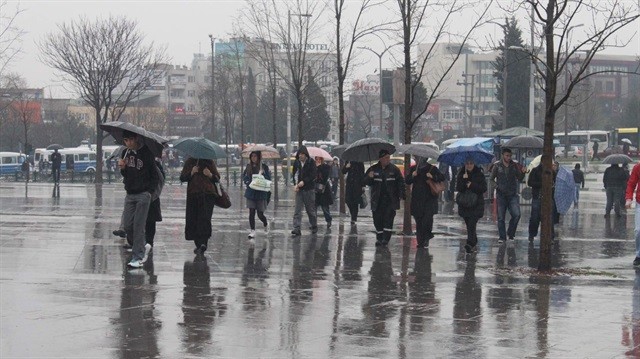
(511,203)
(637,229)
(575,201)
(327,213)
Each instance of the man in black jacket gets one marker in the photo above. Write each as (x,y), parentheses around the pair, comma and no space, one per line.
(305,177)
(615,182)
(578,178)
(535,182)
(387,188)
(506,174)
(140,178)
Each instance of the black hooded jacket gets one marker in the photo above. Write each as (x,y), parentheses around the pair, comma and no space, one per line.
(307,171)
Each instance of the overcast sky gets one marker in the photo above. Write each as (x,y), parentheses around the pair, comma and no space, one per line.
(183,26)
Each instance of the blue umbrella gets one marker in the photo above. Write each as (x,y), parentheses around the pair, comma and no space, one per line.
(200,147)
(479,149)
(565,190)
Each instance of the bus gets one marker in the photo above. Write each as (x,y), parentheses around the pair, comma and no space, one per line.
(84,159)
(584,137)
(11,162)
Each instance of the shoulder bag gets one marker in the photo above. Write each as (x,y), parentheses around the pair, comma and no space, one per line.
(466,199)
(436,187)
(222,200)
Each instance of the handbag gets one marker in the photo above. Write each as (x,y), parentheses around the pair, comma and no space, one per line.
(436,187)
(363,201)
(259,183)
(222,200)
(466,199)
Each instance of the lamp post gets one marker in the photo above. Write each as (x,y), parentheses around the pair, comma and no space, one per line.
(213,87)
(380,73)
(566,84)
(289,14)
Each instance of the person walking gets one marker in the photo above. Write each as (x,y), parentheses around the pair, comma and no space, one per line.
(535,182)
(324,195)
(155,213)
(387,188)
(56,164)
(614,180)
(471,179)
(201,176)
(256,200)
(633,185)
(578,178)
(424,204)
(335,176)
(595,151)
(354,189)
(506,174)
(305,176)
(140,178)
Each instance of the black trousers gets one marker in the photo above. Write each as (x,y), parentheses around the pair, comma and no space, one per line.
(383,218)
(150,232)
(472,236)
(198,218)
(354,207)
(424,228)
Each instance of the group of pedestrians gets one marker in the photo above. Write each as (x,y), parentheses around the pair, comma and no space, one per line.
(315,184)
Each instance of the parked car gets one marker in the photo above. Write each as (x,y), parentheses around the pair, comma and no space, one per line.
(574,151)
(633,151)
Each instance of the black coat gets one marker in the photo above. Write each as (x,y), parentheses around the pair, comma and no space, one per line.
(326,197)
(423,202)
(307,174)
(393,179)
(478,186)
(354,182)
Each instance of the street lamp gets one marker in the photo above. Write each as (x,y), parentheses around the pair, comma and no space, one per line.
(289,14)
(380,73)
(213,87)
(566,84)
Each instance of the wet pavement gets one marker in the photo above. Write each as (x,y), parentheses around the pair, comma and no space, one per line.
(65,290)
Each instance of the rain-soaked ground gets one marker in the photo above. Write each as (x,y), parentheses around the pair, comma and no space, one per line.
(66,292)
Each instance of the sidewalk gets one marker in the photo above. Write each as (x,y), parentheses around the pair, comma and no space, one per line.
(65,290)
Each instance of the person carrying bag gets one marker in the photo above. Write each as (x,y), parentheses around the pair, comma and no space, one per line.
(257,178)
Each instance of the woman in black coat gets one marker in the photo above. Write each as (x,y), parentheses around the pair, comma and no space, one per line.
(354,188)
(471,178)
(324,199)
(424,204)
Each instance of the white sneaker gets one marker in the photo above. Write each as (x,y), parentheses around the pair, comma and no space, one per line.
(135,264)
(147,250)
(252,234)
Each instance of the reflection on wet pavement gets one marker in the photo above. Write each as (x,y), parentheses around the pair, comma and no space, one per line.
(66,292)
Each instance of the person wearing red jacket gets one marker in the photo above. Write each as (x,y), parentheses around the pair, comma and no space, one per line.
(633,185)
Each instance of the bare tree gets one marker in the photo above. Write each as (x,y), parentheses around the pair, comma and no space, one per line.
(106,61)
(554,20)
(415,24)
(10,35)
(364,109)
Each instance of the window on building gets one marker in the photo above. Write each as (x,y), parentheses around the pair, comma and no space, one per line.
(598,87)
(192,79)
(609,86)
(191,93)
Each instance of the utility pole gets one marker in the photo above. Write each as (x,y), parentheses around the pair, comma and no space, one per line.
(213,87)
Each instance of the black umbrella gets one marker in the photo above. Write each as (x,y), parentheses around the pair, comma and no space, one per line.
(524,142)
(617,159)
(423,151)
(339,150)
(54,146)
(366,149)
(153,141)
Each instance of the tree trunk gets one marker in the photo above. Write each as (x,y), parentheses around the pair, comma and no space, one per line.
(408,106)
(99,137)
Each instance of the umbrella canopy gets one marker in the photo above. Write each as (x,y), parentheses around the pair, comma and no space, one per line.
(367,149)
(423,151)
(54,146)
(474,148)
(617,159)
(339,150)
(515,131)
(267,152)
(153,141)
(534,163)
(117,153)
(565,190)
(595,140)
(625,140)
(200,147)
(319,152)
(524,142)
